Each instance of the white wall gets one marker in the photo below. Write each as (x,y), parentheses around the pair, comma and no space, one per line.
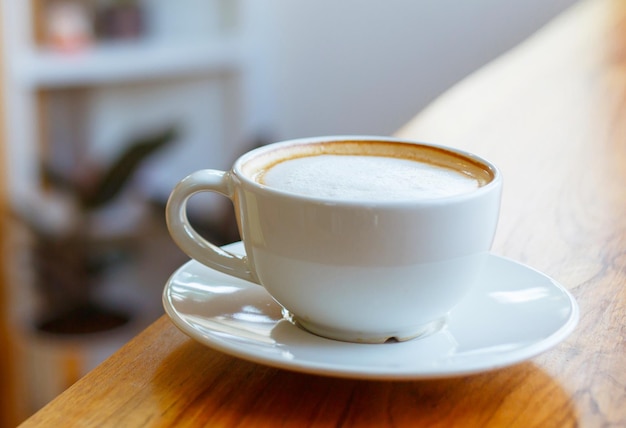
(364,66)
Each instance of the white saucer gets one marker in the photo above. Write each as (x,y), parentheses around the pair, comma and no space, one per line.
(514,314)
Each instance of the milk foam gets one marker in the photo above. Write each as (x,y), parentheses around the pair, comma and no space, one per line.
(369,178)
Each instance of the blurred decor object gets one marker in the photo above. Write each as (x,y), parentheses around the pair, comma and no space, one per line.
(68,25)
(69,259)
(119,20)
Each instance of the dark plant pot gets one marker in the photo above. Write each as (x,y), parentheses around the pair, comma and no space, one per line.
(58,351)
(84,320)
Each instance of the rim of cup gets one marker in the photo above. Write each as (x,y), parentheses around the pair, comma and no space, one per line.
(494,171)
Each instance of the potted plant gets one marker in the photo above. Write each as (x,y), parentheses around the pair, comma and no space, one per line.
(68,257)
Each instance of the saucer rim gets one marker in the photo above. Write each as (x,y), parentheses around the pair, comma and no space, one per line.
(369,372)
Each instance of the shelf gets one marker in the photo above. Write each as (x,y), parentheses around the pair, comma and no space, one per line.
(112,63)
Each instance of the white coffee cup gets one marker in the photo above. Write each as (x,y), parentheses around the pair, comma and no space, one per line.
(352,266)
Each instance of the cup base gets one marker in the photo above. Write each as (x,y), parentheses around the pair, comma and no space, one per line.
(421,331)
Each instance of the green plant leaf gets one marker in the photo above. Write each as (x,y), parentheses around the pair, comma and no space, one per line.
(121,170)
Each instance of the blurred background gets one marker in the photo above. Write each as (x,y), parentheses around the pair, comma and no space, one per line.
(106,104)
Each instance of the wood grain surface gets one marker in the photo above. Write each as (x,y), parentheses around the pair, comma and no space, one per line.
(552,115)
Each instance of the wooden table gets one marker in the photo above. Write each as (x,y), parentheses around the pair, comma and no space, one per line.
(552,115)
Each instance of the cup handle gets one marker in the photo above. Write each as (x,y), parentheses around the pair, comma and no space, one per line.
(190,241)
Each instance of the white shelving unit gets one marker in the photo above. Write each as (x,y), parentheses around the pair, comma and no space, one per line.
(124,62)
(187,46)
(99,98)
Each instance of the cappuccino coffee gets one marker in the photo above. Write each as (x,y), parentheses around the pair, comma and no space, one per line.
(371,171)
(360,239)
